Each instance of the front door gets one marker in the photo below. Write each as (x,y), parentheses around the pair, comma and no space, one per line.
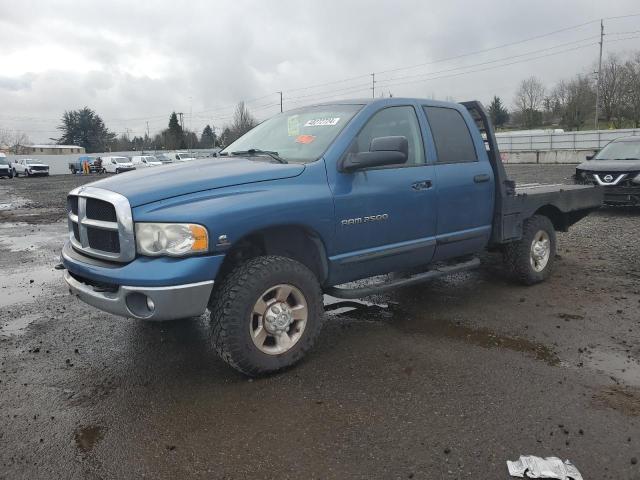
(385,217)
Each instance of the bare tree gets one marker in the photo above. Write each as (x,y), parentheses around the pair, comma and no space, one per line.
(632,89)
(243,121)
(529,101)
(612,90)
(15,140)
(579,102)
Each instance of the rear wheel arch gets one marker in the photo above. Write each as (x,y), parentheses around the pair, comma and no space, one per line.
(557,217)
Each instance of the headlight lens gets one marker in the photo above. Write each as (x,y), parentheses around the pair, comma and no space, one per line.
(172,239)
(636,179)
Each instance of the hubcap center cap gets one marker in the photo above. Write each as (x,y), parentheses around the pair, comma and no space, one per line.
(277,318)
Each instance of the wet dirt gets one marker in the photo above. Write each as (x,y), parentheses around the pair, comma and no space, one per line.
(444,380)
(87,437)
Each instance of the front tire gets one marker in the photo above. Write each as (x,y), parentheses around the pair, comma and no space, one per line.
(266,314)
(531,258)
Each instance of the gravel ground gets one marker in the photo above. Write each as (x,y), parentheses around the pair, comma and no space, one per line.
(443,380)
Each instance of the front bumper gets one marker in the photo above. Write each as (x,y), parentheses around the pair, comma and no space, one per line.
(178,287)
(622,195)
(145,303)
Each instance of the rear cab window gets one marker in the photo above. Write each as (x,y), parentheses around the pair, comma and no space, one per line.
(451,135)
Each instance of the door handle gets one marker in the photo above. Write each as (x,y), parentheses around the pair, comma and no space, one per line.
(481,178)
(422,185)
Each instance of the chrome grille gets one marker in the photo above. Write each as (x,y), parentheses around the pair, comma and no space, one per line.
(101,210)
(100,224)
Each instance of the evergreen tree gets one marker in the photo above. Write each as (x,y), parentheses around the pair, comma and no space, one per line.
(498,113)
(208,138)
(86,129)
(175,135)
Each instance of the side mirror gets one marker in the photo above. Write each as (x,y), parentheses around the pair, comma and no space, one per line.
(382,151)
(592,156)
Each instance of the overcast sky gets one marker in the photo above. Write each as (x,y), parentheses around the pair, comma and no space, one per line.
(135,62)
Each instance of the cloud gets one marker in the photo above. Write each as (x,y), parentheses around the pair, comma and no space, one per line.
(135,62)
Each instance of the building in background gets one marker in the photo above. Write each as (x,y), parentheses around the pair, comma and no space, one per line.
(50,150)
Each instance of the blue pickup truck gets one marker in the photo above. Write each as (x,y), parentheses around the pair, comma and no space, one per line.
(304,204)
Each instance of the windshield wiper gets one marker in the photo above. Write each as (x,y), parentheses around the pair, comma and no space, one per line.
(630,158)
(257,151)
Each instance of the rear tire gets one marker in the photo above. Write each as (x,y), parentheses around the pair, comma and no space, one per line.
(257,343)
(531,258)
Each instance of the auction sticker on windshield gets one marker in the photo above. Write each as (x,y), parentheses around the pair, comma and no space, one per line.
(293,126)
(322,122)
(304,139)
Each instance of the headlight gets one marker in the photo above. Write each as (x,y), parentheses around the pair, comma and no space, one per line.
(636,179)
(172,239)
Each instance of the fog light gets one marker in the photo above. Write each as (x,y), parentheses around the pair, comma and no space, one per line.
(140,305)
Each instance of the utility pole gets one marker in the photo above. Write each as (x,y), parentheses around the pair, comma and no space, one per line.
(280,101)
(144,143)
(599,74)
(373,85)
(190,121)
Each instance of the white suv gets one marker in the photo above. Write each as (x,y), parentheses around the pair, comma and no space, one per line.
(5,166)
(141,161)
(117,164)
(30,166)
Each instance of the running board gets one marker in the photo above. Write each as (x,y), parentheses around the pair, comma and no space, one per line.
(351,293)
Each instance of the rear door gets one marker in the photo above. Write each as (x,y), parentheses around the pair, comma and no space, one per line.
(385,216)
(465,184)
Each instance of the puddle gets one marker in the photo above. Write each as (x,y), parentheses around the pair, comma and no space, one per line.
(404,321)
(623,400)
(16,202)
(17,326)
(621,366)
(481,337)
(20,236)
(26,285)
(87,437)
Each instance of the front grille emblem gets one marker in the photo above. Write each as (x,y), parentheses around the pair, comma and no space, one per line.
(608,178)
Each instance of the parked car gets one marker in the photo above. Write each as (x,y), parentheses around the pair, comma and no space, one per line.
(142,161)
(181,157)
(117,164)
(29,167)
(5,166)
(163,157)
(76,165)
(616,168)
(309,200)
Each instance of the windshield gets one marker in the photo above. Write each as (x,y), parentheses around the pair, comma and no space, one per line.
(122,160)
(620,151)
(301,135)
(150,159)
(32,162)
(3,161)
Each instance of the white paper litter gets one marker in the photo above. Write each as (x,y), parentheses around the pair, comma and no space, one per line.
(536,467)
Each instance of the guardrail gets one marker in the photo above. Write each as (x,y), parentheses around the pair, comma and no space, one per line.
(537,142)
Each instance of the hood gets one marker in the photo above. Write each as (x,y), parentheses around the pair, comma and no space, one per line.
(610,166)
(151,185)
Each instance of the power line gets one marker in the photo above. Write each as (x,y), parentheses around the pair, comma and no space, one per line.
(495,60)
(491,68)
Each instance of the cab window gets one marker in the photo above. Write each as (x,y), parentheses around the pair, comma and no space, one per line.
(451,135)
(393,121)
